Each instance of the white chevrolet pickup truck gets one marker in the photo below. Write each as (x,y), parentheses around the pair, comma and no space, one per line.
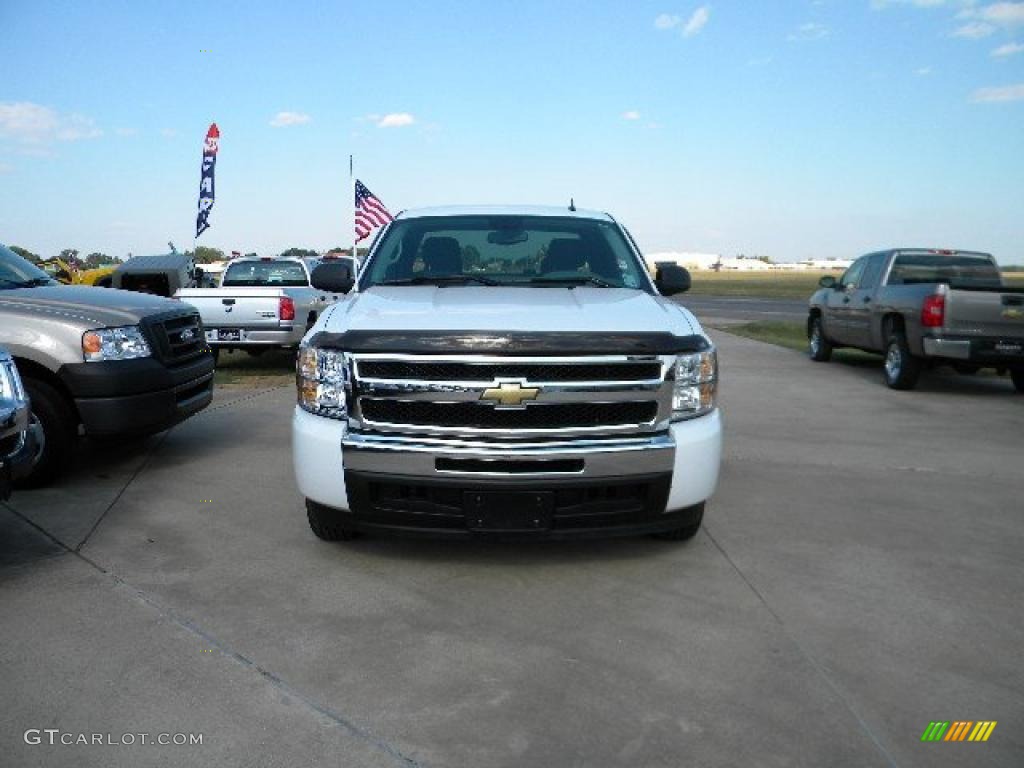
(506,371)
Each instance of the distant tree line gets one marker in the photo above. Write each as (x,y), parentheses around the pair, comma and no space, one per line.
(69,256)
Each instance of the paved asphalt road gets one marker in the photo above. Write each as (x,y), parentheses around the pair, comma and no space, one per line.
(859,575)
(720,310)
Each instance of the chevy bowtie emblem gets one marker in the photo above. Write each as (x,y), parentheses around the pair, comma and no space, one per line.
(187,335)
(509,394)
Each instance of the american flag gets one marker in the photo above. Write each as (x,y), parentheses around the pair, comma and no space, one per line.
(370,212)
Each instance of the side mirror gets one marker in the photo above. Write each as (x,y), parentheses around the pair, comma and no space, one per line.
(333,277)
(828,282)
(671,279)
(197,274)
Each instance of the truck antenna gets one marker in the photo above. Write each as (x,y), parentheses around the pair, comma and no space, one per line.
(572,204)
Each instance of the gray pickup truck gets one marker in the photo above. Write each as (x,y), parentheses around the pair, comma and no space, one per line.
(262,303)
(110,362)
(922,307)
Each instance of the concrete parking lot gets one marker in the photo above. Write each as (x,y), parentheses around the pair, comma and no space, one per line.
(859,576)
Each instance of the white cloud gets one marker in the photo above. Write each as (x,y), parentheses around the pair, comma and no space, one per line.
(667,21)
(31,123)
(923,71)
(393,120)
(168,133)
(998,94)
(283,119)
(1009,49)
(986,19)
(974,30)
(76,127)
(1004,14)
(812,30)
(631,114)
(697,21)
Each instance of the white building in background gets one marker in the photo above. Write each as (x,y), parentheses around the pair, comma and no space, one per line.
(686,259)
(691,260)
(705,261)
(828,263)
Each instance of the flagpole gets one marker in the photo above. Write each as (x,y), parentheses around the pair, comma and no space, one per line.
(352,223)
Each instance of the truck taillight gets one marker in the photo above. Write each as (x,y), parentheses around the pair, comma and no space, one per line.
(286,308)
(933,311)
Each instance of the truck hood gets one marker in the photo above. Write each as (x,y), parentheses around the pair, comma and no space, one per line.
(487,308)
(94,307)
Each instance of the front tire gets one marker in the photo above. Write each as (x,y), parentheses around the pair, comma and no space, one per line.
(56,427)
(1017,377)
(687,532)
(325,524)
(819,348)
(902,369)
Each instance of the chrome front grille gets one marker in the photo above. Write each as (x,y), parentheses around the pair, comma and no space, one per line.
(509,397)
(445,370)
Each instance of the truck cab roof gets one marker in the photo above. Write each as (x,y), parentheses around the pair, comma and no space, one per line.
(503,210)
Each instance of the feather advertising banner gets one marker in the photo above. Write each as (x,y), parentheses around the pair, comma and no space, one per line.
(206,179)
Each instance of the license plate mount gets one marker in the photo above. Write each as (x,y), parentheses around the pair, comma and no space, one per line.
(508,511)
(229,334)
(1009,347)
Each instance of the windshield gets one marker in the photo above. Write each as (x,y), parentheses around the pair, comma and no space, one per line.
(504,250)
(286,273)
(16,272)
(955,269)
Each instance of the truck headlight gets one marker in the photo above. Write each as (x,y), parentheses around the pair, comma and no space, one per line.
(322,378)
(126,343)
(696,384)
(10,382)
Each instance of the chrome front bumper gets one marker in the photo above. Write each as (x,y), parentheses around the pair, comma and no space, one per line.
(325,451)
(424,457)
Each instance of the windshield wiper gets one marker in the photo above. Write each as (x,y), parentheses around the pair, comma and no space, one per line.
(35,281)
(573,281)
(442,280)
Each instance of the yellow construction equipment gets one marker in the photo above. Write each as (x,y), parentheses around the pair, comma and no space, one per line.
(69,274)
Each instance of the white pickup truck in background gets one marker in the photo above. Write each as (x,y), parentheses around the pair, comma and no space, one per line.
(262,303)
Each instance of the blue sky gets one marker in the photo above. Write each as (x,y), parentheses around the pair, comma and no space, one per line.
(793,129)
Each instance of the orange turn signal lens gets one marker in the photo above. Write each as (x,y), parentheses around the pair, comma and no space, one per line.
(91,343)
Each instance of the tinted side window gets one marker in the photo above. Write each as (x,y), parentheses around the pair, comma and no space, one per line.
(873,270)
(852,275)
